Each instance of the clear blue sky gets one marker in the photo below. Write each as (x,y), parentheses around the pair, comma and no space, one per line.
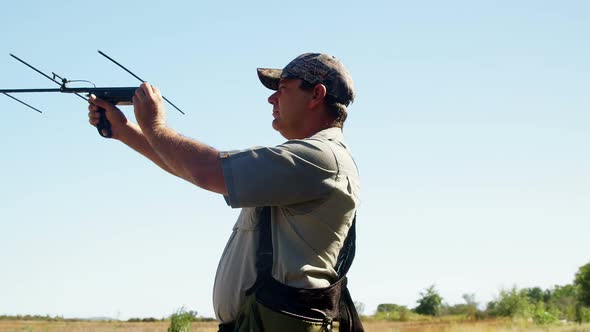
(470,130)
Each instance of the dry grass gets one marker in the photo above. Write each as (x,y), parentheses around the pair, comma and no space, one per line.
(481,326)
(370,326)
(45,326)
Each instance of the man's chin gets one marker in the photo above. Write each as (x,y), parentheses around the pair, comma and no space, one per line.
(275,125)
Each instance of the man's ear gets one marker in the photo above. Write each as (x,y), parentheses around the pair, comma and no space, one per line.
(318,95)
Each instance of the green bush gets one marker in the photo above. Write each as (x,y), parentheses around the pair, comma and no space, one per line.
(389,307)
(394,312)
(467,310)
(512,303)
(142,320)
(541,316)
(180,321)
(583,314)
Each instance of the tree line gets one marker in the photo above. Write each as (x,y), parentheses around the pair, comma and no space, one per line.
(569,302)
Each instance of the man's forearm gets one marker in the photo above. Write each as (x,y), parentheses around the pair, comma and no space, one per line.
(189,159)
(135,139)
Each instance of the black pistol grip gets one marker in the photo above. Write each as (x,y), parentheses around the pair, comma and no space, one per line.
(104,126)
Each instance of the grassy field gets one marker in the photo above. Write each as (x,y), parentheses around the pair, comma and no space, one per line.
(370,326)
(83,326)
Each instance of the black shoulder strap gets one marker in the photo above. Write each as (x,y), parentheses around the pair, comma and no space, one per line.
(346,255)
(264,254)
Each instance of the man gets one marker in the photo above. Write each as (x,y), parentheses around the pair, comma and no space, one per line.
(310,182)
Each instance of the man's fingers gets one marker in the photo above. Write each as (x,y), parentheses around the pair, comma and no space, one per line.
(93,115)
(147,93)
(156,92)
(98,102)
(146,88)
(151,91)
(140,93)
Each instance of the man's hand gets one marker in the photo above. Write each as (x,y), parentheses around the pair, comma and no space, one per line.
(149,109)
(114,115)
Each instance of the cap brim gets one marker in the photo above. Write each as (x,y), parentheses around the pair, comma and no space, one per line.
(270,77)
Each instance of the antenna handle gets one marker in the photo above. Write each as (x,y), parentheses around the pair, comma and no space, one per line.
(104,126)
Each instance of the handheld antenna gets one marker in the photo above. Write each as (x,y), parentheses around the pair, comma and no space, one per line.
(42,73)
(141,80)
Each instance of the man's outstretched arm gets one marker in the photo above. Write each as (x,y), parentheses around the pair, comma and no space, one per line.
(186,158)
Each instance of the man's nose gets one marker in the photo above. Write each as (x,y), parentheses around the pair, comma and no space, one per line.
(272,99)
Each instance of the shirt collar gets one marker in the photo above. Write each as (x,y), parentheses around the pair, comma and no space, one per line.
(332,133)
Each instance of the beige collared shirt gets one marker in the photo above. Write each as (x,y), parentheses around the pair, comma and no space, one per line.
(312,186)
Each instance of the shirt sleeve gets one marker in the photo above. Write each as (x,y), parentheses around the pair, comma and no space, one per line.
(294,172)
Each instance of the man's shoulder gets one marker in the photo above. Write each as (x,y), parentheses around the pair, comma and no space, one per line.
(317,149)
(330,143)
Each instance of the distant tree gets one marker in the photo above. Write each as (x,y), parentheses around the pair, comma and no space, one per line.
(470,305)
(194,315)
(430,302)
(470,299)
(536,294)
(360,307)
(582,282)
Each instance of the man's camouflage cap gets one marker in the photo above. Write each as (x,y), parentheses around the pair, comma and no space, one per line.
(314,68)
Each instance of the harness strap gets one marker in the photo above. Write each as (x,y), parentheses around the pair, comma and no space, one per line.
(264,254)
(348,316)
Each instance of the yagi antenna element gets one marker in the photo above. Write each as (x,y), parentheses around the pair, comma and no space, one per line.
(132,74)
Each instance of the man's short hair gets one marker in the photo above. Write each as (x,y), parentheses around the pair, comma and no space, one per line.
(336,110)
